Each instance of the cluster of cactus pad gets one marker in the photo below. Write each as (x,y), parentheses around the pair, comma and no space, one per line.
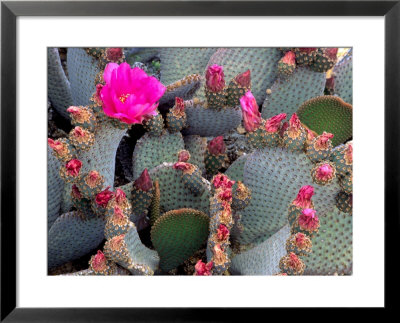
(283,208)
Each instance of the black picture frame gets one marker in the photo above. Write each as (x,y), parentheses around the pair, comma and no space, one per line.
(10,10)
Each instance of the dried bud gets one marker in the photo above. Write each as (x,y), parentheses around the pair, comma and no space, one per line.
(73,167)
(289,58)
(324,172)
(114,54)
(74,110)
(99,261)
(118,214)
(294,123)
(78,132)
(215,81)
(222,181)
(183,156)
(144,181)
(251,115)
(75,192)
(294,262)
(182,166)
(56,145)
(348,154)
(273,124)
(222,233)
(120,196)
(179,105)
(104,197)
(217,146)
(225,195)
(244,79)
(322,141)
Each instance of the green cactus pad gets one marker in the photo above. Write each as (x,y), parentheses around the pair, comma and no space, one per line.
(236,169)
(274,176)
(332,246)
(71,237)
(261,62)
(207,122)
(152,151)
(214,162)
(264,258)
(288,94)
(58,86)
(174,194)
(155,203)
(177,235)
(176,63)
(343,73)
(55,188)
(155,125)
(330,114)
(184,88)
(344,202)
(197,147)
(82,71)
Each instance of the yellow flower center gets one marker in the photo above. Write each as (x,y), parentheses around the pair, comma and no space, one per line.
(123,97)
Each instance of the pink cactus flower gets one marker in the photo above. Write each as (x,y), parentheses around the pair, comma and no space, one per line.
(114,54)
(75,192)
(294,262)
(308,220)
(179,105)
(294,123)
(99,262)
(74,110)
(202,269)
(215,78)
(225,195)
(217,146)
(56,145)
(222,181)
(322,141)
(273,124)
(143,182)
(244,79)
(73,167)
(251,115)
(289,58)
(300,239)
(78,132)
(222,232)
(182,166)
(303,198)
(104,197)
(324,172)
(130,94)
(183,156)
(120,196)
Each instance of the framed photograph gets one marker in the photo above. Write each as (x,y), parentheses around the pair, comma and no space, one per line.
(168,140)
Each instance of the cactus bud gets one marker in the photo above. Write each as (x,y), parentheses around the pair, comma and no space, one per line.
(114,55)
(273,124)
(222,233)
(202,269)
(287,64)
(323,141)
(104,197)
(222,181)
(217,146)
(73,167)
(303,198)
(179,106)
(291,264)
(183,156)
(244,79)
(308,220)
(323,173)
(215,78)
(250,112)
(76,194)
(182,166)
(98,262)
(144,182)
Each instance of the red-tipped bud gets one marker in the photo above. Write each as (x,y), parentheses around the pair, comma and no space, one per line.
(114,54)
(285,125)
(244,79)
(273,124)
(294,262)
(120,196)
(251,115)
(324,172)
(93,178)
(294,122)
(348,154)
(222,233)
(331,53)
(303,198)
(289,58)
(78,132)
(330,83)
(74,110)
(219,254)
(183,156)
(99,261)
(181,166)
(144,181)
(179,105)
(104,197)
(300,240)
(75,192)
(118,214)
(215,78)
(217,146)
(202,269)
(56,145)
(322,141)
(310,134)
(73,167)
(308,220)
(225,195)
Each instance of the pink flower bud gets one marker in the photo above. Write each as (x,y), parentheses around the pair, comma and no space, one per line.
(219,254)
(57,146)
(222,233)
(215,81)
(104,197)
(251,115)
(217,146)
(118,214)
(322,141)
(203,269)
(300,239)
(294,262)
(289,58)
(144,182)
(179,105)
(183,156)
(74,110)
(310,134)
(73,167)
(114,54)
(273,124)
(294,122)
(348,154)
(99,262)
(79,132)
(308,220)
(285,125)
(325,172)
(222,181)
(181,166)
(226,194)
(93,178)
(75,192)
(303,198)
(330,83)
(120,196)
(244,79)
